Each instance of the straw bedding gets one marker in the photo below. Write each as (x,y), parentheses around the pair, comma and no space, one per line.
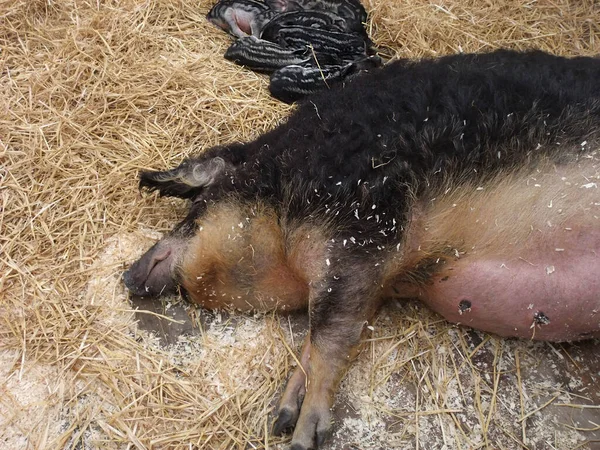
(93,91)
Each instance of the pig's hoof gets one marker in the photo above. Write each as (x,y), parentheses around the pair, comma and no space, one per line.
(290,403)
(286,419)
(300,447)
(313,427)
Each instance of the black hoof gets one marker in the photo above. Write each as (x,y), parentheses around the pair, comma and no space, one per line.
(286,419)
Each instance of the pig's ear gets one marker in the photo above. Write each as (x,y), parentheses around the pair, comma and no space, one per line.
(186,180)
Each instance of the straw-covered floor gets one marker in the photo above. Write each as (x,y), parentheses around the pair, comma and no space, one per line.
(93,91)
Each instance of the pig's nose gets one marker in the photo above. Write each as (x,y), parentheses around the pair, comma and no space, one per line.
(132,286)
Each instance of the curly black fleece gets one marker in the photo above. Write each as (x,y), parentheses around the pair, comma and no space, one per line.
(358,150)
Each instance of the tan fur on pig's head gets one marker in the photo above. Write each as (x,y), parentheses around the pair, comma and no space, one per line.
(241,257)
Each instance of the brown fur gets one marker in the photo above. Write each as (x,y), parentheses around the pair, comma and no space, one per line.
(243,258)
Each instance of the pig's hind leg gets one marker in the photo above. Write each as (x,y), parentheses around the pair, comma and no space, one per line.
(341,304)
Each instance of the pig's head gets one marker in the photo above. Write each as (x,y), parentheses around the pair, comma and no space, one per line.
(156,272)
(202,181)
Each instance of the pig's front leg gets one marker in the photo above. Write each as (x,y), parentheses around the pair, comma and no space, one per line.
(342,304)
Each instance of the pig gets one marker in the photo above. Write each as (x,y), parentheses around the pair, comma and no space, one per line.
(469,182)
(351,11)
(264,56)
(315,19)
(347,46)
(291,83)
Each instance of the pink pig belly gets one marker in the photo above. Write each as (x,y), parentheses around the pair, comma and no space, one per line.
(546,290)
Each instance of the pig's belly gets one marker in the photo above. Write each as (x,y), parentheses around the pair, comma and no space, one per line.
(547,290)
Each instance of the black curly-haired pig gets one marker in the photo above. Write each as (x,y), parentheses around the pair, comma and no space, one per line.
(468,181)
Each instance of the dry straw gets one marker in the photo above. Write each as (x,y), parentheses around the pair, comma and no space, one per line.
(93,91)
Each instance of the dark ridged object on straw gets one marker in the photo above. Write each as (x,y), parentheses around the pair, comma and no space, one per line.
(306,45)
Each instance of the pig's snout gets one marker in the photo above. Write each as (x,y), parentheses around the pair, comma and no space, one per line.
(154,273)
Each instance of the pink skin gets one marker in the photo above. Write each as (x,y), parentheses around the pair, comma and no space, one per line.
(505,294)
(238,23)
(243,21)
